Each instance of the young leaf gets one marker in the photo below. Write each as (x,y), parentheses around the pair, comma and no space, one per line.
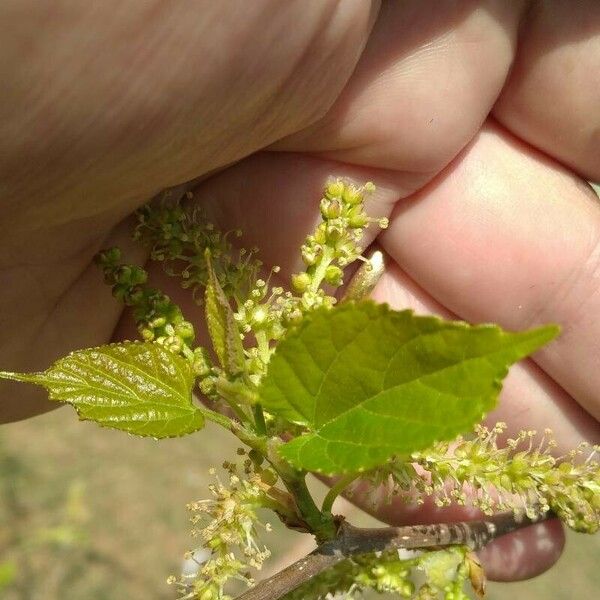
(222,327)
(369,383)
(141,388)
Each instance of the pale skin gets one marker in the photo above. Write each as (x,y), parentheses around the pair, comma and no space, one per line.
(478,121)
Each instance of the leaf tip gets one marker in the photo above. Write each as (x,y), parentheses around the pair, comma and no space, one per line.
(547,333)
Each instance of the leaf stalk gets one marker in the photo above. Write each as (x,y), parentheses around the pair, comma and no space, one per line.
(336,490)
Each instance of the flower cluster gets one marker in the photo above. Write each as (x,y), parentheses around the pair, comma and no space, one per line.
(444,572)
(265,315)
(158,318)
(335,242)
(522,476)
(268,311)
(226,525)
(180,238)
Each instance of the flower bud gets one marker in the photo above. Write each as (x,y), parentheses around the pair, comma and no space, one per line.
(134,296)
(185,330)
(138,276)
(309,256)
(259,316)
(334,189)
(330,209)
(108,257)
(207,385)
(301,281)
(158,322)
(123,274)
(333,275)
(369,187)
(334,233)
(357,218)
(352,195)
(147,334)
(320,236)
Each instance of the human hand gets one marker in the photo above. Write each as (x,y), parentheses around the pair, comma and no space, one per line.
(480,171)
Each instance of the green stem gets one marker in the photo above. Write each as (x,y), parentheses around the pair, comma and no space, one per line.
(259,420)
(336,490)
(258,443)
(240,414)
(277,507)
(322,526)
(264,352)
(23,377)
(231,392)
(262,342)
(319,274)
(215,417)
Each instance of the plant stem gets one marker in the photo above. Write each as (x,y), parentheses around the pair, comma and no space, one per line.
(353,541)
(230,392)
(262,343)
(321,526)
(215,417)
(319,273)
(259,420)
(239,413)
(336,490)
(256,442)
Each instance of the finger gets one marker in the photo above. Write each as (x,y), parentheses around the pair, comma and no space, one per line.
(505,235)
(114,101)
(422,88)
(525,553)
(552,97)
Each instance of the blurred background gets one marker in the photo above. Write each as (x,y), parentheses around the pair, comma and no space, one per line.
(89,513)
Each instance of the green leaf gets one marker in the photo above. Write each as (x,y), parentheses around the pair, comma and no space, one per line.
(370,383)
(138,387)
(223,329)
